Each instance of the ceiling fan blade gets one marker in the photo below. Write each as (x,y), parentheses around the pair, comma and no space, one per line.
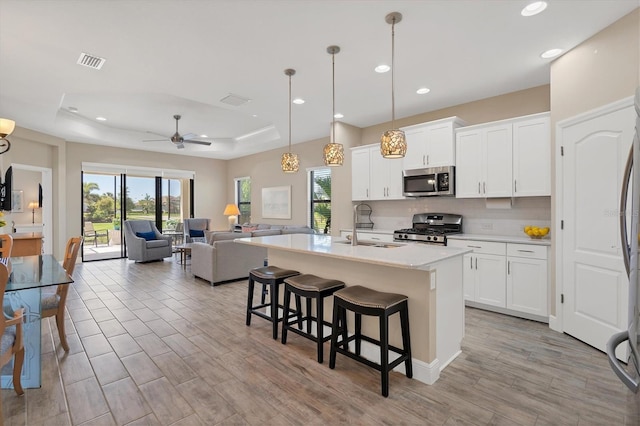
(197,142)
(155,140)
(189,136)
(180,146)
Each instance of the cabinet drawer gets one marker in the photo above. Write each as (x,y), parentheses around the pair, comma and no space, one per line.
(527,250)
(485,247)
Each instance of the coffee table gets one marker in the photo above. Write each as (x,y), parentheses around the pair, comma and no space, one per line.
(184,250)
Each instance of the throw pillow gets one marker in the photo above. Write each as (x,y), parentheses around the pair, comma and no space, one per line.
(249,228)
(149,236)
(196,233)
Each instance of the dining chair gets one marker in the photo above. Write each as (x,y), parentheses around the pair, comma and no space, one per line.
(7,244)
(12,345)
(53,303)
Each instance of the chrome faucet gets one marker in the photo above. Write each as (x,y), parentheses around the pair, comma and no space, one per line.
(354,235)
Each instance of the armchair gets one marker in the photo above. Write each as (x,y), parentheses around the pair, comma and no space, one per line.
(144,242)
(195,228)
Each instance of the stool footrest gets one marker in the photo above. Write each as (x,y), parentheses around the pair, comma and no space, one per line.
(289,325)
(403,355)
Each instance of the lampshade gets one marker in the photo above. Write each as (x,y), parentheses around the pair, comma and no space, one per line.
(6,127)
(393,143)
(290,162)
(33,205)
(231,209)
(333,152)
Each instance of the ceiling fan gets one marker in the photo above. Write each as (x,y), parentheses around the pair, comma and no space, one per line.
(178,139)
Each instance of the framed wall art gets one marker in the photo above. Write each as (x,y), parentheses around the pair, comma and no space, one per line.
(276,202)
(17,202)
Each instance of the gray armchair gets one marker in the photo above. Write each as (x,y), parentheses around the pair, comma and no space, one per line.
(154,247)
(199,225)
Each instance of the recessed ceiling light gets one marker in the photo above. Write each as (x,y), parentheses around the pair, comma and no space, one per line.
(534,8)
(382,68)
(101,119)
(551,53)
(254,115)
(204,136)
(298,101)
(72,109)
(423,90)
(338,115)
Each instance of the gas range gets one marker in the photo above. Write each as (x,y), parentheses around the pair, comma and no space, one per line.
(430,228)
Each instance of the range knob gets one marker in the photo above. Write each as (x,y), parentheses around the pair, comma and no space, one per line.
(429,238)
(435,239)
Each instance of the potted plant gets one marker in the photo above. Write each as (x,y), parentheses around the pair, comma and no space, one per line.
(116,223)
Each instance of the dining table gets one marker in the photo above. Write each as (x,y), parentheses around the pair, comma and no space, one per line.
(29,277)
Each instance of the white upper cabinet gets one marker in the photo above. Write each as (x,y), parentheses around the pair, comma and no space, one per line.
(504,159)
(431,144)
(532,157)
(360,174)
(374,177)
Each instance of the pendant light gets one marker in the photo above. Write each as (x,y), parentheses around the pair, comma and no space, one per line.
(290,163)
(333,152)
(393,143)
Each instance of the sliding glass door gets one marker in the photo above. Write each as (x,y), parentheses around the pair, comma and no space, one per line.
(105,205)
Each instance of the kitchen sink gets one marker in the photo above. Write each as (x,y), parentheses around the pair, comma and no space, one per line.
(371,244)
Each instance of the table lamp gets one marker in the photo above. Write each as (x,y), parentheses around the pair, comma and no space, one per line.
(232,211)
(33,205)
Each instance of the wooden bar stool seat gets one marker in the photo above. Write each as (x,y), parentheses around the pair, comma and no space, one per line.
(273,277)
(310,287)
(365,301)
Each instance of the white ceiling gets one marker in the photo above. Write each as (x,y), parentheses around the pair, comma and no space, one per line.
(166,57)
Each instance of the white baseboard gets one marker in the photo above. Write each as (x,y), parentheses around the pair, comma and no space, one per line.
(554,324)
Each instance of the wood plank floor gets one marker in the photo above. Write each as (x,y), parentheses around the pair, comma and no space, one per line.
(152,345)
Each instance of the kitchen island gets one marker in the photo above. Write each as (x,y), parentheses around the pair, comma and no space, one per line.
(430,276)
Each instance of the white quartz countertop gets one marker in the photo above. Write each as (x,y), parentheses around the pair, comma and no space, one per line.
(501,239)
(401,255)
(370,231)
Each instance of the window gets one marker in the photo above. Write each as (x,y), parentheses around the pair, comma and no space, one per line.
(243,198)
(320,200)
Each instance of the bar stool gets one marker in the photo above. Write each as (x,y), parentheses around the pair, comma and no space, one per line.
(273,277)
(310,287)
(365,301)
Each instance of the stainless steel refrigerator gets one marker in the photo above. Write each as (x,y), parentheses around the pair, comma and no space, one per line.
(630,373)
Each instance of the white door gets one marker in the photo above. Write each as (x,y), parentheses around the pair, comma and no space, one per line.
(491,279)
(595,284)
(440,145)
(468,164)
(415,156)
(527,285)
(497,154)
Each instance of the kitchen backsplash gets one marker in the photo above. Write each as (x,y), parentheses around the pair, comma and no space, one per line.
(479,217)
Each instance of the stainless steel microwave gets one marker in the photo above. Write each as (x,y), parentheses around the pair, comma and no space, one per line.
(428,182)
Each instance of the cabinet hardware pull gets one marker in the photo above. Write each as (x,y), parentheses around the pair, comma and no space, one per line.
(470,262)
(427,159)
(509,268)
(375,238)
(478,187)
(515,186)
(423,162)
(484,187)
(476,263)
(526,251)
(474,246)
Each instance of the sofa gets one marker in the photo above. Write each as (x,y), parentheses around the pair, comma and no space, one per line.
(144,242)
(221,259)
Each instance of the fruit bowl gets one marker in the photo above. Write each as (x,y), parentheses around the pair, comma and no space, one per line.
(536,233)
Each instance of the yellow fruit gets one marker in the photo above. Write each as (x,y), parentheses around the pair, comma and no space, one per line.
(527,229)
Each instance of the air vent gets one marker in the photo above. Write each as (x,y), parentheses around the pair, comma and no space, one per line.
(234,100)
(91,61)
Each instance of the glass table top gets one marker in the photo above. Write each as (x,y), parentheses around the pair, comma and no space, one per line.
(35,272)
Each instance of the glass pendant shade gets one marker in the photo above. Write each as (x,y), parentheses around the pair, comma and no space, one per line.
(333,154)
(290,163)
(393,144)
(6,127)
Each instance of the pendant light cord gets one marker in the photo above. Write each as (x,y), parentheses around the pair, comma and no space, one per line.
(289,113)
(393,67)
(333,95)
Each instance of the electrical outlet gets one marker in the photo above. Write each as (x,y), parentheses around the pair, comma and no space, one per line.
(486,226)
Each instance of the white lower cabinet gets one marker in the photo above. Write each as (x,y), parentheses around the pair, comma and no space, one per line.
(527,279)
(507,277)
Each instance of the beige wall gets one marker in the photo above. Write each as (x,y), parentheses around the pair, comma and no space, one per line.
(601,70)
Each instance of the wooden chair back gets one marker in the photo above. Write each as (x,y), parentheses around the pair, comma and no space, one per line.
(18,345)
(68,264)
(7,244)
